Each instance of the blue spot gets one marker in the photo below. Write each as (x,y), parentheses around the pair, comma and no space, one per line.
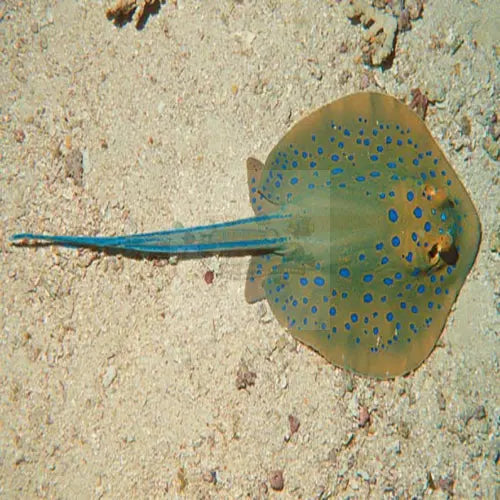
(373,157)
(335,157)
(311,186)
(398,275)
(414,309)
(314,309)
(358,340)
(380,148)
(360,178)
(304,155)
(382,196)
(379,246)
(366,142)
(410,195)
(337,170)
(312,164)
(285,275)
(416,162)
(294,180)
(354,317)
(368,297)
(341,144)
(362,257)
(375,174)
(391,164)
(392,194)
(347,132)
(409,257)
(344,272)
(367,278)
(414,236)
(427,226)
(294,164)
(313,137)
(417,212)
(375,331)
(384,260)
(388,281)
(333,311)
(305,300)
(347,326)
(438,290)
(388,140)
(277,184)
(393,215)
(395,241)
(320,151)
(389,316)
(403,305)
(319,281)
(303,281)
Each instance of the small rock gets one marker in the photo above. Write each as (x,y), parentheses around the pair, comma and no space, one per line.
(294,423)
(209,277)
(109,376)
(276,480)
(245,377)
(364,416)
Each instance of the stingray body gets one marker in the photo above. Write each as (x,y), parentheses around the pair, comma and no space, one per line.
(362,237)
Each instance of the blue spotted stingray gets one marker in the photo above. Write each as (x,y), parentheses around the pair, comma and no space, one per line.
(362,238)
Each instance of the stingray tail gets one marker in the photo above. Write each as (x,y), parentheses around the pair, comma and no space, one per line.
(255,233)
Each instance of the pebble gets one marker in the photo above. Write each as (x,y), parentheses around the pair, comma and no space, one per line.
(276,480)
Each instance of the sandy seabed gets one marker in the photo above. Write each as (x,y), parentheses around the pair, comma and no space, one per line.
(118,376)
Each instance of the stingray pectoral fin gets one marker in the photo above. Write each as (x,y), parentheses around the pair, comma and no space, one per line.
(260,267)
(260,204)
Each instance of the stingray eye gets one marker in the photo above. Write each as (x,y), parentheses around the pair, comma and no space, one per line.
(450,255)
(433,254)
(445,250)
